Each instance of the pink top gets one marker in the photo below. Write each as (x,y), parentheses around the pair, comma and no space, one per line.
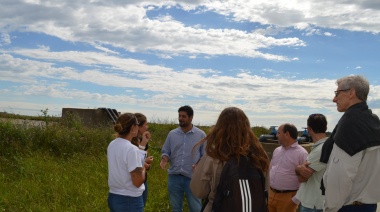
(283,165)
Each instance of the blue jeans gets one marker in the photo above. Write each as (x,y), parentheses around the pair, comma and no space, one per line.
(178,185)
(119,203)
(359,208)
(305,209)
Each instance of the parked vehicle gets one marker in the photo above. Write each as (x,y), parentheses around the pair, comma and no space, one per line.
(272,136)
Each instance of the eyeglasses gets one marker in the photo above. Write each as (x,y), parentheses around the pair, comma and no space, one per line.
(338,91)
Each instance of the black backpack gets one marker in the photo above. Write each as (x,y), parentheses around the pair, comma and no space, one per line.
(241,188)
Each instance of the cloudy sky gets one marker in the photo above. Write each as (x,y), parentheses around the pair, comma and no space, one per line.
(277,60)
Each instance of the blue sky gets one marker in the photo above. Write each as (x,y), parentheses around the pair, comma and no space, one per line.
(276,60)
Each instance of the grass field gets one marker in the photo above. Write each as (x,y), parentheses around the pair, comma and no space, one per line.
(62,166)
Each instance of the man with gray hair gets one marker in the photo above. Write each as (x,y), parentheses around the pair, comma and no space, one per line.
(352,152)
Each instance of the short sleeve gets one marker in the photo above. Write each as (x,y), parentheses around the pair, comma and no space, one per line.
(313,158)
(133,159)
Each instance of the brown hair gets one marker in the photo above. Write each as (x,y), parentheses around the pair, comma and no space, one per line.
(141,118)
(232,136)
(124,123)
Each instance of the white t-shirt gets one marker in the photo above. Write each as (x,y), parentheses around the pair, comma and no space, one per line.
(143,155)
(123,157)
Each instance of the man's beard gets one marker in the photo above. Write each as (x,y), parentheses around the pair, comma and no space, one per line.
(183,124)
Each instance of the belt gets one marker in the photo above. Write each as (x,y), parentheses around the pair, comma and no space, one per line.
(182,175)
(357,203)
(281,191)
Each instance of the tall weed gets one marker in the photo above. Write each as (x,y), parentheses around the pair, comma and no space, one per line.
(62,166)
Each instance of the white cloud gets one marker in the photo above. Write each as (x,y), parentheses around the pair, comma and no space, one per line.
(129,27)
(5,39)
(328,34)
(204,85)
(351,15)
(108,74)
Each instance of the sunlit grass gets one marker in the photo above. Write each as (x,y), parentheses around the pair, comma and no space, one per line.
(62,166)
(46,183)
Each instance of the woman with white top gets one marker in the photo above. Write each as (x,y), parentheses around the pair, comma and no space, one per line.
(141,141)
(126,171)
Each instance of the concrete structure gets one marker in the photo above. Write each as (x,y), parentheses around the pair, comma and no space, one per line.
(91,117)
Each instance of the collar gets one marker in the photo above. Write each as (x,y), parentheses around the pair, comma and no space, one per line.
(293,145)
(320,141)
(190,131)
(360,105)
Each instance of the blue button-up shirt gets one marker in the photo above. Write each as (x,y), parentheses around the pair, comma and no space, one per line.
(178,147)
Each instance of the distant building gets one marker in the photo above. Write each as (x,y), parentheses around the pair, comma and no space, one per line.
(91,117)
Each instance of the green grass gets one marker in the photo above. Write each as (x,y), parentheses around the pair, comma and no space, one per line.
(45,183)
(62,166)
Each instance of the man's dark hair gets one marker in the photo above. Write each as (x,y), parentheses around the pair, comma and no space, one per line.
(317,122)
(187,109)
(291,129)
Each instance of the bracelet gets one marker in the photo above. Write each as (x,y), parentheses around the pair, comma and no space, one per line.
(142,147)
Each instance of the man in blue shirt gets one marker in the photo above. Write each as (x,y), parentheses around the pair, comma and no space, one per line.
(178,150)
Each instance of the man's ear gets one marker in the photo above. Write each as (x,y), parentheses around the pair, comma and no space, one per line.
(352,93)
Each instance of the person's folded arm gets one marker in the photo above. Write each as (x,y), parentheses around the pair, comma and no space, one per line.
(304,172)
